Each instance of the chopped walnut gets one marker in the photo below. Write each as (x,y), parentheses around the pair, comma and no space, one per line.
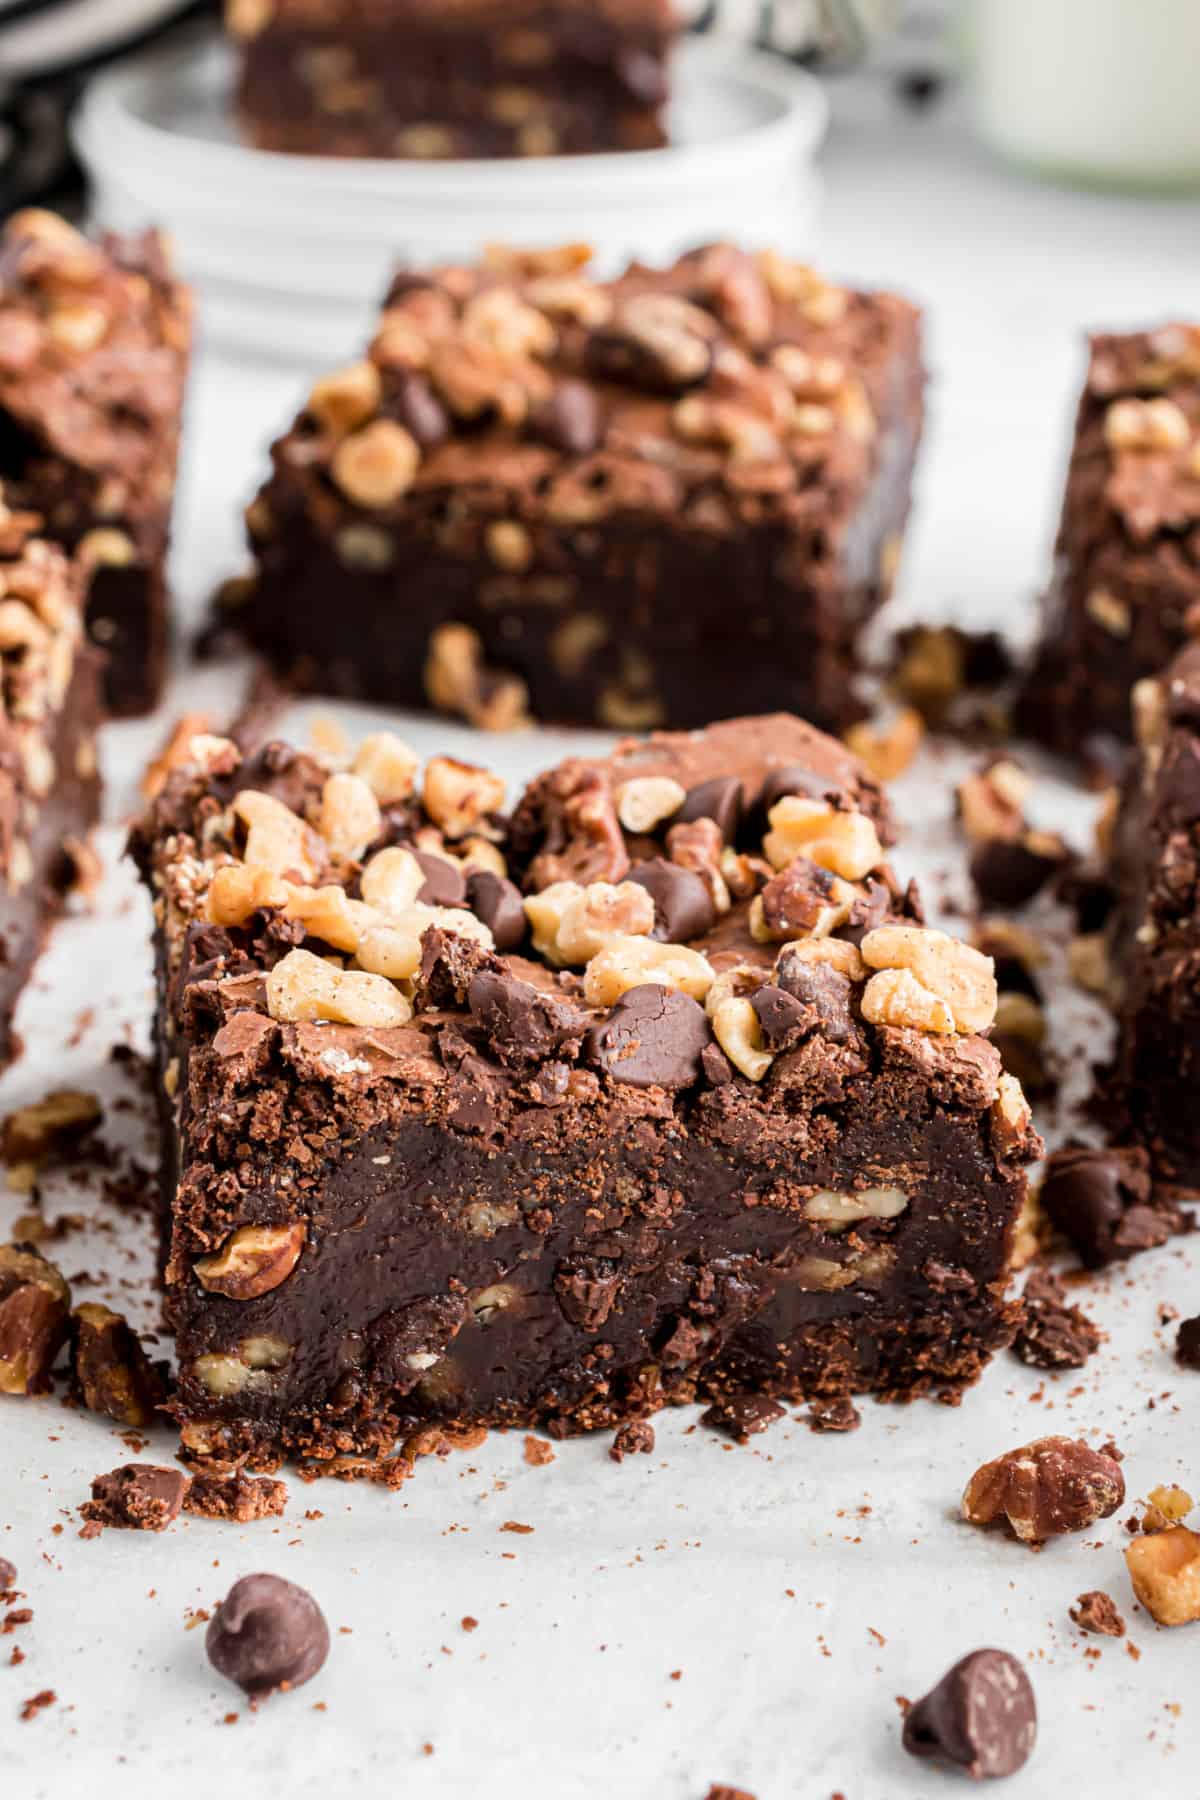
(347,398)
(388,767)
(252,1261)
(629,962)
(896,997)
(888,749)
(35,1304)
(391,880)
(175,753)
(1147,425)
(643,804)
(276,837)
(49,1125)
(955,973)
(350,816)
(737,1029)
(303,986)
(991,802)
(459,796)
(457,680)
(1165,1571)
(1052,1486)
(845,842)
(391,946)
(237,891)
(375,466)
(572,924)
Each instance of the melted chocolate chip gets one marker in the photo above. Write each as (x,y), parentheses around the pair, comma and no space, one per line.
(523,1024)
(719,800)
(793,779)
(683,906)
(1009,873)
(653,1037)
(266,1634)
(1099,1199)
(496,903)
(445,883)
(981,1715)
(570,419)
(741,1415)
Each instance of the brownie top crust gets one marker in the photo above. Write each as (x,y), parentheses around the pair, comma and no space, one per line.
(643,16)
(727,387)
(93,345)
(1138,447)
(356,930)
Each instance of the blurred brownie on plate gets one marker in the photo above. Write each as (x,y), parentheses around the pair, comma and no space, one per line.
(433,79)
(657,1089)
(614,503)
(49,785)
(94,341)
(1127,561)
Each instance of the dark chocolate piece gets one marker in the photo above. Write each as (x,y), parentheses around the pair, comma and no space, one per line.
(267,1635)
(113,1373)
(35,1310)
(653,1037)
(445,883)
(720,800)
(1053,1334)
(1101,1199)
(742,1416)
(497,902)
(683,906)
(837,1413)
(981,1716)
(1187,1344)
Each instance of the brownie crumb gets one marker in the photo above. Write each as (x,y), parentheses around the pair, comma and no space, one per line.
(239,1497)
(1053,1334)
(137,1497)
(8,1575)
(37,1704)
(637,1436)
(470,1624)
(538,1452)
(719,1791)
(1096,1611)
(836,1413)
(741,1415)
(1187,1344)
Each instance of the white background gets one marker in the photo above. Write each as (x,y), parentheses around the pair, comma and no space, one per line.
(759,1573)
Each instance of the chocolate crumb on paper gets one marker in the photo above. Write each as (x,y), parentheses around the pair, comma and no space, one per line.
(741,1416)
(1053,1334)
(238,1497)
(537,1451)
(837,1413)
(633,1439)
(1097,1612)
(38,1703)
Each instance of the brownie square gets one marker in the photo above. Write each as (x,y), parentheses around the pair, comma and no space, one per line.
(94,341)
(481,78)
(609,503)
(49,785)
(657,1089)
(1127,560)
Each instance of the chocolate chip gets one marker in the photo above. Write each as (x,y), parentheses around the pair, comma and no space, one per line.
(1187,1344)
(137,1497)
(523,1024)
(683,906)
(1009,872)
(445,883)
(981,1715)
(8,1575)
(570,419)
(266,1634)
(823,990)
(1098,1199)
(420,411)
(794,778)
(741,1415)
(719,800)
(783,1018)
(653,1037)
(632,1439)
(1053,1334)
(496,903)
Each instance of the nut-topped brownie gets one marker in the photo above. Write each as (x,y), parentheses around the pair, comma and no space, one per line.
(49,785)
(613,503)
(659,1089)
(479,78)
(1127,561)
(94,341)
(1154,932)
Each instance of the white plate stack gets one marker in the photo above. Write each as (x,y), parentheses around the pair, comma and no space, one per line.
(291,254)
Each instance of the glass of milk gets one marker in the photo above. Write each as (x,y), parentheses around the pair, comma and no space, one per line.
(1099,91)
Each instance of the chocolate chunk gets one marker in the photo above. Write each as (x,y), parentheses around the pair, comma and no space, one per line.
(137,1497)
(570,419)
(653,1037)
(1187,1344)
(419,410)
(800,900)
(496,903)
(1008,872)
(719,800)
(8,1575)
(1099,1200)
(523,1024)
(1052,1334)
(112,1371)
(783,1018)
(794,778)
(445,884)
(716,1065)
(238,1497)
(449,964)
(822,989)
(867,911)
(740,1416)
(683,906)
(267,1634)
(981,1715)
(1097,1611)
(637,1437)
(838,1413)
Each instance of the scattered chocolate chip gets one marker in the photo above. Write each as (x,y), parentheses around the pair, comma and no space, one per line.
(136,1497)
(496,903)
(836,1413)
(653,1037)
(784,1019)
(740,1416)
(1053,1334)
(1009,872)
(683,906)
(719,800)
(112,1372)
(981,1715)
(445,883)
(523,1024)
(570,419)
(8,1575)
(793,778)
(1187,1344)
(418,408)
(1097,1611)
(267,1634)
(1044,1489)
(240,1497)
(631,1439)
(1100,1200)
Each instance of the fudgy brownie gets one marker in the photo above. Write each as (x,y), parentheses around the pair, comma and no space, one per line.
(49,786)
(1154,932)
(1127,562)
(420,78)
(94,341)
(658,1089)
(610,502)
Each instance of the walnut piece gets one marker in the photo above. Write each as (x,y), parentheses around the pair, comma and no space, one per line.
(54,1123)
(304,987)
(375,466)
(252,1260)
(1165,1571)
(1146,425)
(644,803)
(888,749)
(962,977)
(35,1304)
(736,1028)
(350,815)
(572,924)
(387,765)
(277,838)
(1052,1486)
(347,398)
(628,962)
(459,796)
(845,842)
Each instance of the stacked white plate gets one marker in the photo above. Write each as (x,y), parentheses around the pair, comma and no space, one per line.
(291,253)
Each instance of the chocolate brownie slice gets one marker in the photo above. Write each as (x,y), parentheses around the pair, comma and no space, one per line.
(612,503)
(660,1089)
